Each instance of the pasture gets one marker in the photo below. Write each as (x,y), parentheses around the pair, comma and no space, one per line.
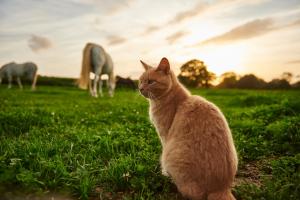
(60,140)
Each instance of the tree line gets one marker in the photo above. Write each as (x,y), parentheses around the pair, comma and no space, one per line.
(194,73)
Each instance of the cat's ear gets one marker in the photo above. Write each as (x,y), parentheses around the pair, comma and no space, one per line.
(145,65)
(164,66)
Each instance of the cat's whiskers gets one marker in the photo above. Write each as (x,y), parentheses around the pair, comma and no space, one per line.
(152,96)
(149,95)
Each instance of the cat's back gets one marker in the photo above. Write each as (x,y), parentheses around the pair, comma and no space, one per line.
(201,135)
(200,144)
(200,122)
(197,108)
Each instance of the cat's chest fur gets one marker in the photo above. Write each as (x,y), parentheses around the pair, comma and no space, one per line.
(162,116)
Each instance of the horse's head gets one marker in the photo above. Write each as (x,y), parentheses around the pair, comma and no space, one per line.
(1,74)
(4,68)
(1,71)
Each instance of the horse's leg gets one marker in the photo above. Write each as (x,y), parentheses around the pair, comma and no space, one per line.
(9,78)
(19,82)
(96,79)
(100,87)
(111,85)
(90,87)
(34,82)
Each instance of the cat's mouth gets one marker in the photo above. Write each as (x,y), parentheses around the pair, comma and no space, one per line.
(145,93)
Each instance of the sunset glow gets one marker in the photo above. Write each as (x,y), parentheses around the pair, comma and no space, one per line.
(261,36)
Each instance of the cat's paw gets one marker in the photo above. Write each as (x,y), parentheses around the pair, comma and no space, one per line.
(164,172)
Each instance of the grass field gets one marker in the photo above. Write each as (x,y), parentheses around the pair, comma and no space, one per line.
(59,139)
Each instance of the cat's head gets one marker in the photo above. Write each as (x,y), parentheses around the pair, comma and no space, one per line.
(156,82)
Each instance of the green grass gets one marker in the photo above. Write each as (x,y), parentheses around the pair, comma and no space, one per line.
(60,139)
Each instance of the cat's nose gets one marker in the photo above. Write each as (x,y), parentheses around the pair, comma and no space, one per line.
(141,89)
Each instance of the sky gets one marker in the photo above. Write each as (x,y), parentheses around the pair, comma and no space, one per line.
(257,36)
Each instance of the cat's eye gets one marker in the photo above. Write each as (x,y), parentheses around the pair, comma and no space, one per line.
(151,82)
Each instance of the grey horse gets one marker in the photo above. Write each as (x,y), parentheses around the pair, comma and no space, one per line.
(96,60)
(13,70)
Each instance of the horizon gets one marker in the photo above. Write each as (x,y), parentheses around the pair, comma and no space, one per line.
(225,34)
(215,82)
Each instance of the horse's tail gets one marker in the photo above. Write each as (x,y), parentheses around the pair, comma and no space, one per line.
(84,79)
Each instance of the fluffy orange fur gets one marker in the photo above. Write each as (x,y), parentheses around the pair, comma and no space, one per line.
(198,152)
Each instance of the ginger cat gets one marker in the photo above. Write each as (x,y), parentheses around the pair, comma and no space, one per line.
(198,152)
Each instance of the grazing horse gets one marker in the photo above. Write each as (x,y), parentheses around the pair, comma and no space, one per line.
(96,60)
(13,70)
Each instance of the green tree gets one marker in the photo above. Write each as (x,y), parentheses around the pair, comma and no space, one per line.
(228,80)
(278,84)
(194,73)
(250,81)
(283,82)
(287,76)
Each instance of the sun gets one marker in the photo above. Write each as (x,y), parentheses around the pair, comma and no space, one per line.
(218,59)
(225,58)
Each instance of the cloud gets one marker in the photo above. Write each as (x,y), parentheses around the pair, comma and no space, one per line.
(176,36)
(211,7)
(119,6)
(249,30)
(115,40)
(194,11)
(297,22)
(151,29)
(200,9)
(38,43)
(107,7)
(245,31)
(293,62)
(97,21)
(294,23)
(179,17)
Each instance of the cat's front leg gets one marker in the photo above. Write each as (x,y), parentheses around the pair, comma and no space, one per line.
(164,172)
(163,168)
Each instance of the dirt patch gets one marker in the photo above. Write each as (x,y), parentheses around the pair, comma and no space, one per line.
(249,173)
(13,192)
(52,196)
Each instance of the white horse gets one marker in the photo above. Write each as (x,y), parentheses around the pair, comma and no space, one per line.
(96,60)
(13,70)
